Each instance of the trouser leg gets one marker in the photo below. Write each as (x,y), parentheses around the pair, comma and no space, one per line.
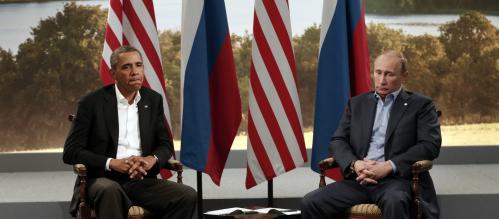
(333,200)
(393,196)
(108,199)
(163,198)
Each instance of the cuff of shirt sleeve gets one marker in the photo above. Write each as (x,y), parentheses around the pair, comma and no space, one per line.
(107,164)
(393,167)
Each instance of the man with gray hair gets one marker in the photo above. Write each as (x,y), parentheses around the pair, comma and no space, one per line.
(381,134)
(120,135)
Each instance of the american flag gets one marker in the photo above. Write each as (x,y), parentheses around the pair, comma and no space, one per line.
(275,136)
(133,22)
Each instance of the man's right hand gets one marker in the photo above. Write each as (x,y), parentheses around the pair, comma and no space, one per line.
(120,165)
(364,173)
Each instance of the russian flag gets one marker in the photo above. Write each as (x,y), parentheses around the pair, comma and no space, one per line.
(211,105)
(343,71)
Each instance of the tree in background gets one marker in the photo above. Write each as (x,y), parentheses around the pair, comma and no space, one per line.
(54,69)
(241,47)
(472,33)
(427,63)
(469,92)
(8,79)
(169,42)
(59,64)
(306,49)
(381,38)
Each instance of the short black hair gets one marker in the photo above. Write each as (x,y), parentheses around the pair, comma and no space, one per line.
(117,52)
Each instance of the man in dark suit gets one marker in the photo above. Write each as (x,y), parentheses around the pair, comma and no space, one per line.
(120,134)
(381,134)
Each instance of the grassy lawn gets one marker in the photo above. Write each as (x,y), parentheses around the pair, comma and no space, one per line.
(455,135)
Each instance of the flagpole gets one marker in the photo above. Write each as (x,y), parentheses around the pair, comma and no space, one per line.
(270,193)
(200,194)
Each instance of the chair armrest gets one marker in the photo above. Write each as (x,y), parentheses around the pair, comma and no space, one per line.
(327,163)
(324,165)
(177,166)
(84,210)
(417,168)
(422,165)
(80,170)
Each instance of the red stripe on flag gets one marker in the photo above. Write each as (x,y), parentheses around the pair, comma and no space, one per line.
(225,117)
(280,86)
(144,39)
(260,153)
(117,8)
(105,75)
(360,79)
(282,34)
(250,180)
(111,38)
(271,121)
(150,8)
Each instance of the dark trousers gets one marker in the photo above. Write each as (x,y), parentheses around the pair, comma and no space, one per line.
(162,198)
(392,195)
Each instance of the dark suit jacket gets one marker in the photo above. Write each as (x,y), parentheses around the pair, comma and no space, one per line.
(93,137)
(413,134)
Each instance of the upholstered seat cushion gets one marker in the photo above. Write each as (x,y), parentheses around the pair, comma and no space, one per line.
(365,211)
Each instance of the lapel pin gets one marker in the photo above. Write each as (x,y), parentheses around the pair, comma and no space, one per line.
(146,106)
(405,104)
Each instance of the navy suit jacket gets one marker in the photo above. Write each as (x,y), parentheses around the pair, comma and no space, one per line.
(93,137)
(413,134)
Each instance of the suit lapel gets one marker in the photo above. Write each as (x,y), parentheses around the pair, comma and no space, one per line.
(368,115)
(396,113)
(111,114)
(144,109)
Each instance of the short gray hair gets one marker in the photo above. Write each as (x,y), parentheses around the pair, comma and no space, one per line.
(116,54)
(400,55)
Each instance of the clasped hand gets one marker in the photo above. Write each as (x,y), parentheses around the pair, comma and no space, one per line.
(370,171)
(135,166)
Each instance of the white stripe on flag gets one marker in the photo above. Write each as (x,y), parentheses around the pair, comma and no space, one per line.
(264,135)
(328,9)
(277,106)
(279,56)
(255,168)
(191,16)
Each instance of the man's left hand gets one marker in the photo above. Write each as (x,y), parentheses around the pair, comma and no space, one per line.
(140,166)
(374,172)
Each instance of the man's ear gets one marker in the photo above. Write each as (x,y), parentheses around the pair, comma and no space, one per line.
(112,72)
(405,76)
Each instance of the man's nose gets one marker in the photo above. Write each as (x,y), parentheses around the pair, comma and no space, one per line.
(383,79)
(135,70)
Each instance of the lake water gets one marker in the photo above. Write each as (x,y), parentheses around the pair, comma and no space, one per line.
(17,19)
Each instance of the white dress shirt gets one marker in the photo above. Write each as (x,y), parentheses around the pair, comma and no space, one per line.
(129,132)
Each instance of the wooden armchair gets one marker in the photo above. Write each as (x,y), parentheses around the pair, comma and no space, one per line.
(371,211)
(134,212)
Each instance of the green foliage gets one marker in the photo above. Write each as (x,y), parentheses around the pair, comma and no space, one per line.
(429,6)
(55,67)
(59,64)
(306,49)
(472,33)
(170,57)
(469,91)
(381,38)
(241,47)
(427,62)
